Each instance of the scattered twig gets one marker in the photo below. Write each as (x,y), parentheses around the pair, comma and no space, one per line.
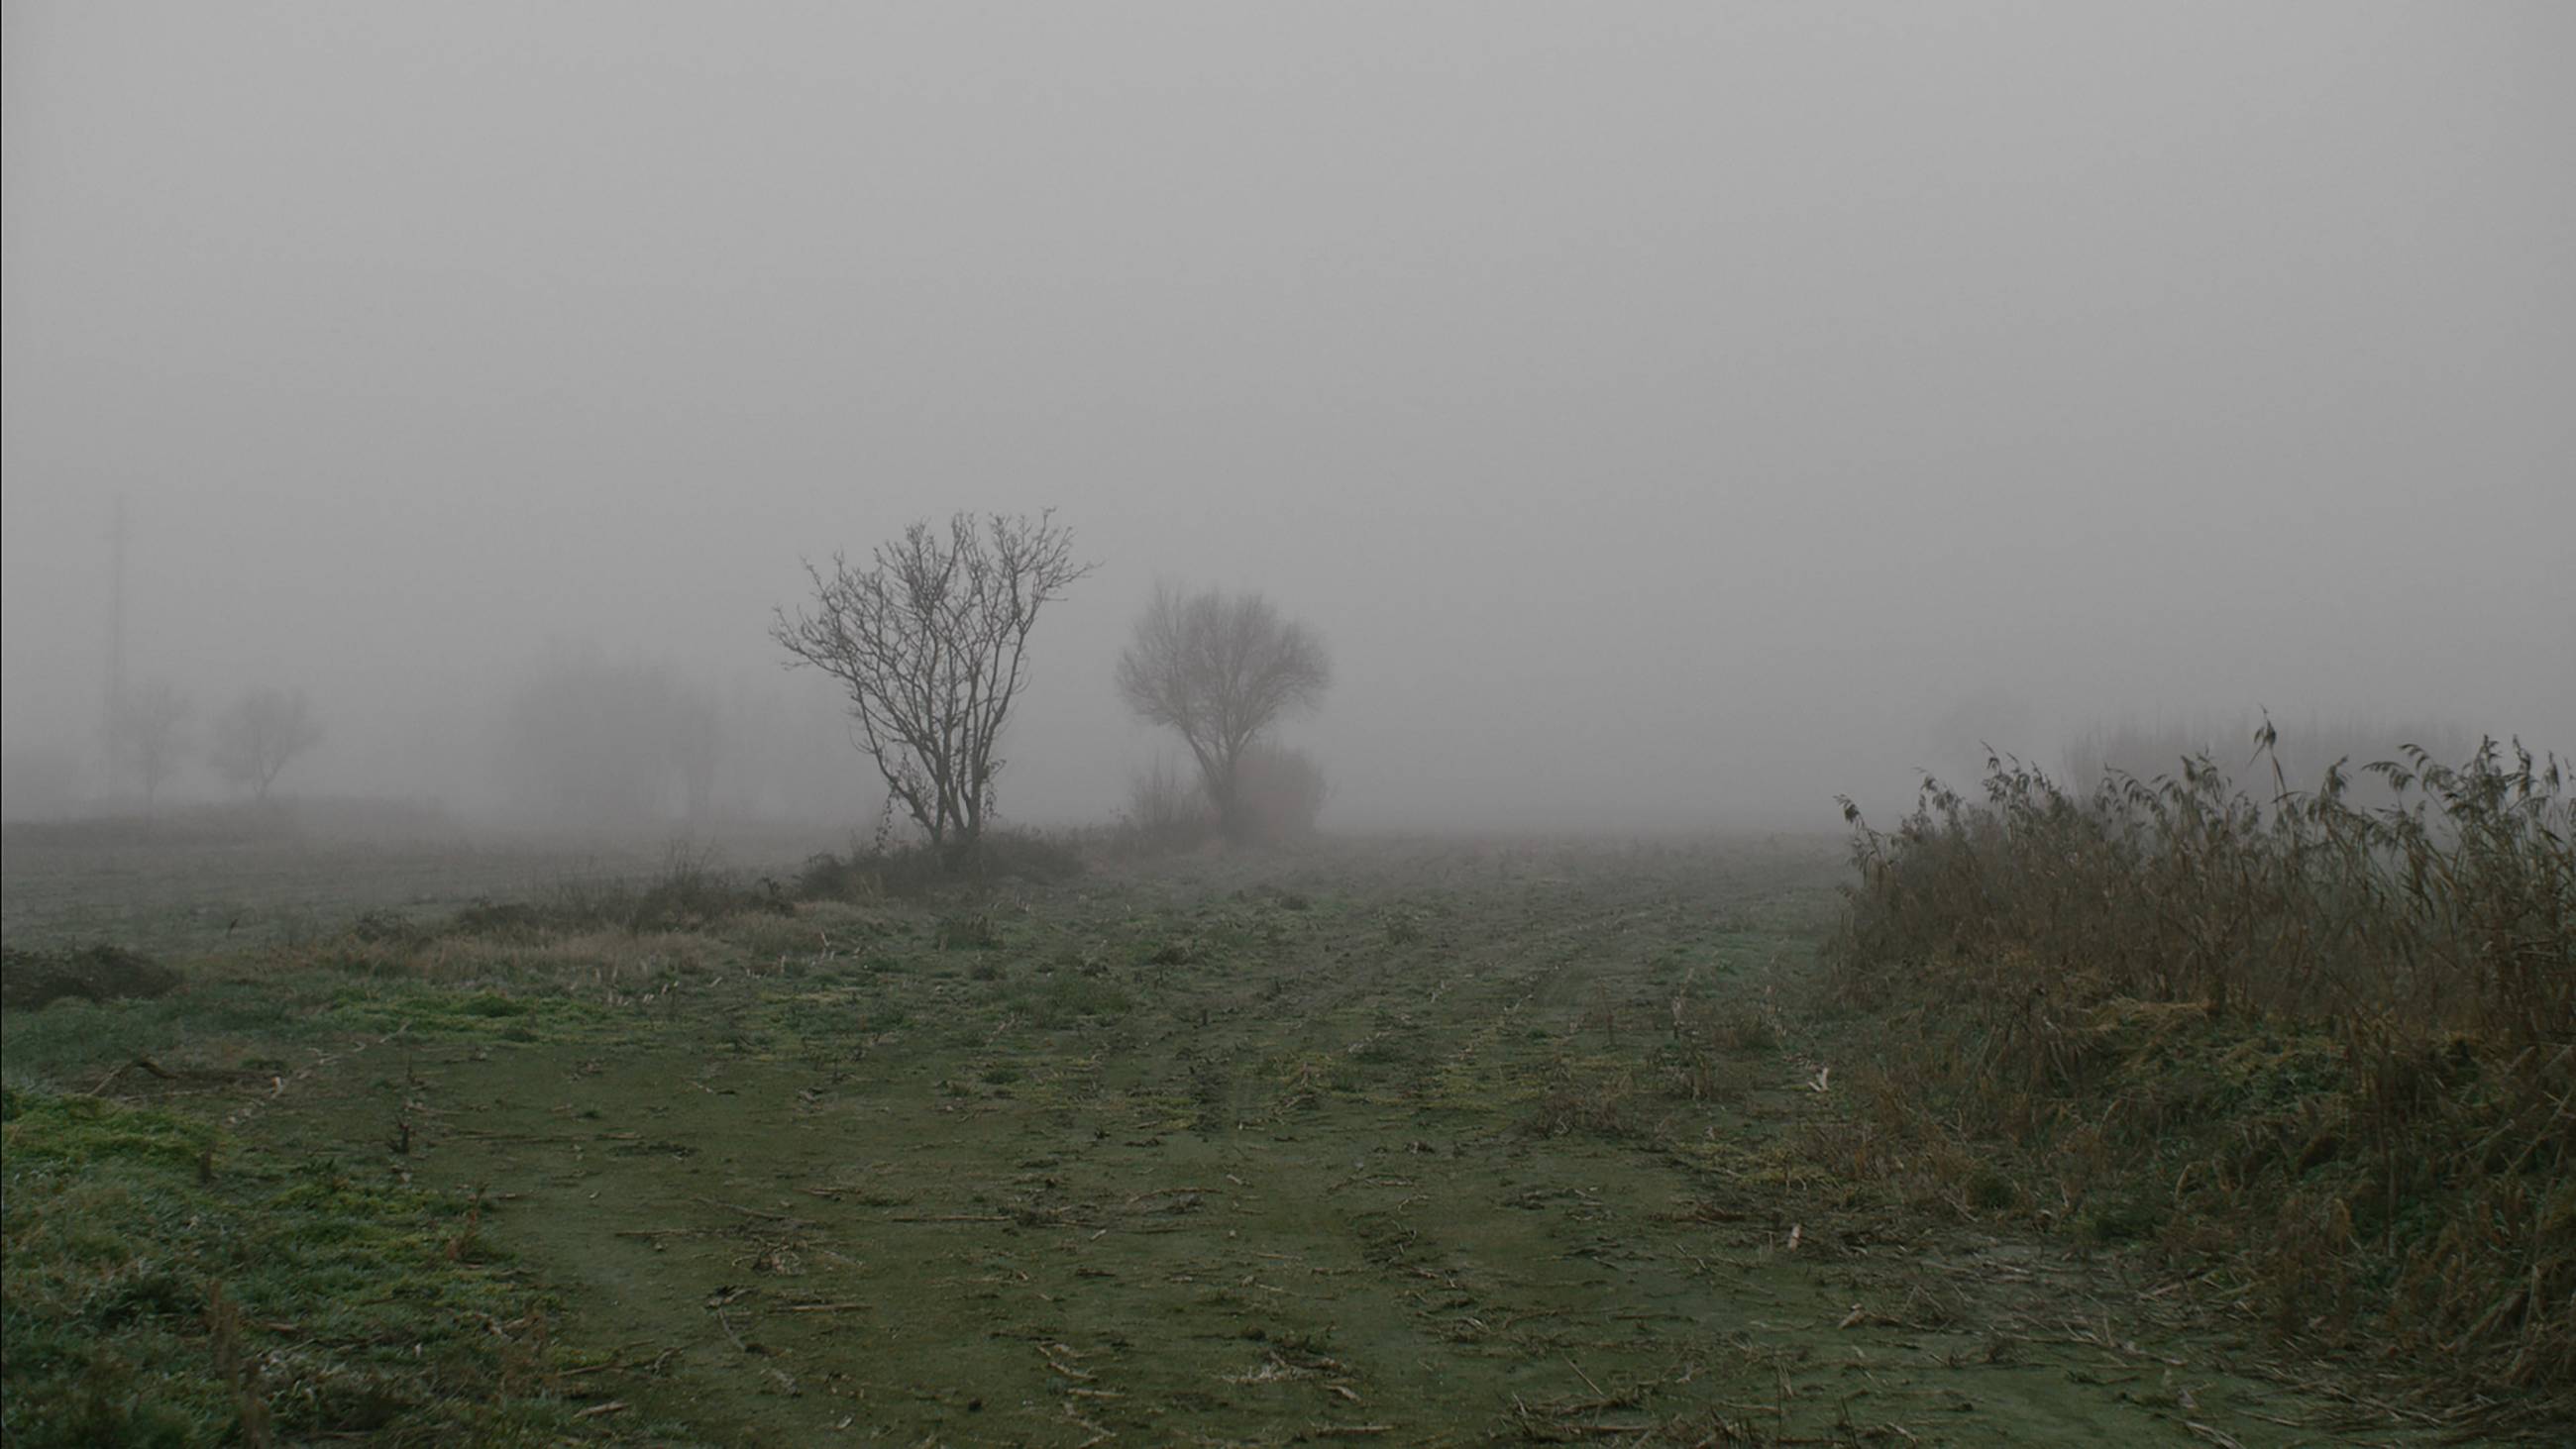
(755,1213)
(1164,1192)
(1048,1351)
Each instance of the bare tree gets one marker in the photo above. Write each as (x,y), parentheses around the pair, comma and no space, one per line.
(931,642)
(1220,669)
(260,735)
(146,730)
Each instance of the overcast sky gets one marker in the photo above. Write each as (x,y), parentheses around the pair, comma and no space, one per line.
(1670,414)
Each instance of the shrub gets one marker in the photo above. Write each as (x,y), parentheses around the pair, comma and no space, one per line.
(688,892)
(1002,855)
(101,972)
(1027,855)
(1278,795)
(1166,813)
(1279,792)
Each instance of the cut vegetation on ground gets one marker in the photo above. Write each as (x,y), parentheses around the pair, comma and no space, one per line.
(1418,1144)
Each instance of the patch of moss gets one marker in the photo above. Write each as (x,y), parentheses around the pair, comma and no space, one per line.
(498,1015)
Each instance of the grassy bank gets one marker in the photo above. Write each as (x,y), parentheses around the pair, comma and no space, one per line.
(2320,1056)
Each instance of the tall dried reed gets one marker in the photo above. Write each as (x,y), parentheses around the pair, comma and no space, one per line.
(2333,1046)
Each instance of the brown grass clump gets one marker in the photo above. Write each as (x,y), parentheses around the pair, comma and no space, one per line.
(2320,1053)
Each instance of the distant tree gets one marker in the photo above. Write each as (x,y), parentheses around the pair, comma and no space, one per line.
(593,741)
(931,643)
(260,735)
(1220,670)
(146,733)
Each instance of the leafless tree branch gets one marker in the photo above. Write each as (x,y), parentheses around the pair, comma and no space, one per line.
(931,643)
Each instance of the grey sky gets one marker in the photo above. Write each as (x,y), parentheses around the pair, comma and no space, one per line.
(1667,412)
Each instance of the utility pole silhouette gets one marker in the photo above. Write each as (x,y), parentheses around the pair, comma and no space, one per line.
(115,624)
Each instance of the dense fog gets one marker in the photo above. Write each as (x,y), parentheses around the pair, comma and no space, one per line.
(1670,416)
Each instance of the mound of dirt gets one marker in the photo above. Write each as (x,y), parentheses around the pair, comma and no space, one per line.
(32,979)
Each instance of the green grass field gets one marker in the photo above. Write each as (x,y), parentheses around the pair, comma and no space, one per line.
(1398,1143)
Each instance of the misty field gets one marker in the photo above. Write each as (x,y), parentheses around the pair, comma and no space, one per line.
(1396,1143)
(930,725)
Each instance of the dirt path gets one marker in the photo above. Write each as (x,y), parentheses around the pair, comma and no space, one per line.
(1435,1155)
